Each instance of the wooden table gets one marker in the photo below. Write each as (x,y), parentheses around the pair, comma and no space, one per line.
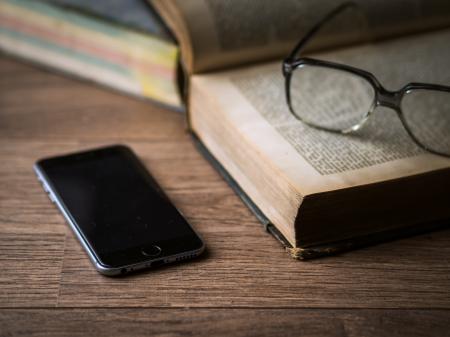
(244,285)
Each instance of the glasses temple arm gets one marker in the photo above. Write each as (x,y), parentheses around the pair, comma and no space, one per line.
(300,45)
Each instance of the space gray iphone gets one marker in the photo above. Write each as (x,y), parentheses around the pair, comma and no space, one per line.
(117,210)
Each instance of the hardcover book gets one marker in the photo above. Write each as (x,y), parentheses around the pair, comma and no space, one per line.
(318,192)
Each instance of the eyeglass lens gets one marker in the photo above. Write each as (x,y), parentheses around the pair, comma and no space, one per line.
(427,115)
(330,98)
(338,100)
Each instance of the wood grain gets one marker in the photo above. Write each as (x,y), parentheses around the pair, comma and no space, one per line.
(43,266)
(224,322)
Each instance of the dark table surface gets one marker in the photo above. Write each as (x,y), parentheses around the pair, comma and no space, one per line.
(244,285)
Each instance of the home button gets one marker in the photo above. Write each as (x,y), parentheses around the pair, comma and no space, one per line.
(152,250)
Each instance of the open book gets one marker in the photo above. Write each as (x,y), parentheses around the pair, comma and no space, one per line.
(318,192)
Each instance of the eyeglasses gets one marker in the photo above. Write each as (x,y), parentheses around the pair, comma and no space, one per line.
(340,98)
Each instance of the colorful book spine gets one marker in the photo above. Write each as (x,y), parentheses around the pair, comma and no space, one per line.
(105,52)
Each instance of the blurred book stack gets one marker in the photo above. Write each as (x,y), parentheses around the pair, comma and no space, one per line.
(121,44)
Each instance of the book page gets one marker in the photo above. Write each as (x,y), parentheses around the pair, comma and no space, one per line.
(253,100)
(216,34)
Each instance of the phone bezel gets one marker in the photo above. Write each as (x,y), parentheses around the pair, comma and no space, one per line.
(132,259)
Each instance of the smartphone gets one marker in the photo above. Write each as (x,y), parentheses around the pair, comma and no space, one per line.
(117,210)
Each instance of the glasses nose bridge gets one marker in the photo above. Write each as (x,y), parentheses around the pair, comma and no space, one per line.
(389,99)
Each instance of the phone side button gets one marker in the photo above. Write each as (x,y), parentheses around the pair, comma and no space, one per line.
(152,250)
(52,198)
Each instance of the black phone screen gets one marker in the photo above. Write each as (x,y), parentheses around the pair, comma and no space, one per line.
(117,205)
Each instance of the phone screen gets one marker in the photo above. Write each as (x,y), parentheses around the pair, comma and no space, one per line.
(117,205)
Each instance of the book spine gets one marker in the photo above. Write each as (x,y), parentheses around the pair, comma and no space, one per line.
(316,251)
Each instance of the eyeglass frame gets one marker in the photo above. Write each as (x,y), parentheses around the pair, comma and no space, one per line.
(382,97)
